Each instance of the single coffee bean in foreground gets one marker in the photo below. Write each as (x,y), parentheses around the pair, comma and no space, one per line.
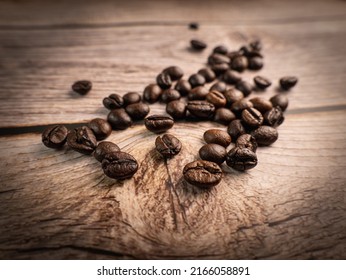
(201,109)
(176,109)
(217,136)
(198,93)
(274,117)
(131,98)
(113,101)
(239,63)
(247,141)
(119,165)
(261,104)
(202,173)
(213,152)
(104,148)
(252,117)
(174,72)
(231,77)
(198,45)
(219,86)
(255,63)
(216,98)
(224,116)
(233,95)
(82,87)
(235,129)
(183,87)
(164,80)
(265,135)
(152,93)
(119,119)
(240,105)
(196,80)
(169,95)
(280,100)
(288,82)
(208,74)
(241,159)
(168,145)
(101,128)
(137,111)
(217,58)
(262,82)
(82,140)
(245,87)
(220,68)
(158,123)
(221,49)
(54,136)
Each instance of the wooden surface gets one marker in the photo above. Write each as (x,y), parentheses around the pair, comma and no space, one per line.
(59,205)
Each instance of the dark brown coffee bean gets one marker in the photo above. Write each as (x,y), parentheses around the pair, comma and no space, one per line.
(245,87)
(198,45)
(174,72)
(82,140)
(233,95)
(202,173)
(137,111)
(241,159)
(261,104)
(164,80)
(239,63)
(208,74)
(265,135)
(101,128)
(113,101)
(221,49)
(247,141)
(220,68)
(196,80)
(119,119)
(255,63)
(240,105)
(82,87)
(217,58)
(252,117)
(131,98)
(213,152)
(168,145)
(256,45)
(235,129)
(244,50)
(224,116)
(169,95)
(198,93)
(54,136)
(219,86)
(288,82)
(217,136)
(152,93)
(176,109)
(216,98)
(119,165)
(231,77)
(183,87)
(274,117)
(104,148)
(233,54)
(201,109)
(158,123)
(280,100)
(262,82)
(194,25)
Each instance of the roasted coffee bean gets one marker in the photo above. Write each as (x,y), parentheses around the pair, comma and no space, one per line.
(261,104)
(101,128)
(137,111)
(213,152)
(233,54)
(176,109)
(54,136)
(196,80)
(256,45)
(158,123)
(247,141)
(216,98)
(252,117)
(82,87)
(217,136)
(131,98)
(244,50)
(168,145)
(245,87)
(104,148)
(174,72)
(198,45)
(169,95)
(164,80)
(235,129)
(194,25)
(119,119)
(280,100)
(113,101)
(219,86)
(202,173)
(233,95)
(82,140)
(255,63)
(288,82)
(221,49)
(224,116)
(239,63)
(183,87)
(119,165)
(240,105)
(231,77)
(262,82)
(198,93)
(208,74)
(220,68)
(274,117)
(201,109)
(265,135)
(241,159)
(152,93)
(217,58)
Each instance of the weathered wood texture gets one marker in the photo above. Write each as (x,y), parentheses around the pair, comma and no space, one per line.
(58,204)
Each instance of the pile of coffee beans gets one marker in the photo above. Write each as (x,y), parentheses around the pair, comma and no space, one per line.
(216,93)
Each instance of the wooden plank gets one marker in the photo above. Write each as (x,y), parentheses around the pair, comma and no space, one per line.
(59,204)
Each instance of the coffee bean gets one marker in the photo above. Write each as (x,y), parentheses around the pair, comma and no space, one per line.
(274,117)
(233,95)
(176,109)
(169,95)
(241,159)
(235,129)
(152,93)
(247,141)
(158,123)
(119,119)
(240,105)
(174,72)
(261,104)
(221,49)
(168,145)
(194,25)
(255,63)
(262,82)
(219,86)
(231,77)
(265,135)
(183,87)
(239,63)
(256,45)
(104,148)
(208,74)
(288,82)
(217,136)
(137,111)
(198,93)
(54,136)
(113,101)
(119,165)
(203,174)
(233,54)
(201,109)
(164,80)
(224,116)
(216,98)
(213,152)
(198,45)
(244,50)
(252,117)
(280,100)
(82,140)
(101,128)
(196,80)
(131,98)
(245,87)
(217,58)
(82,87)
(220,68)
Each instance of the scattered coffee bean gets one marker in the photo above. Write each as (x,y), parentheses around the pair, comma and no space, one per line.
(54,136)
(203,174)
(196,80)
(235,129)
(245,87)
(82,140)
(168,145)
(176,109)
(221,49)
(244,50)
(198,93)
(164,80)
(219,86)
(131,98)
(169,95)
(239,63)
(220,68)
(280,100)
(256,45)
(174,72)
(119,165)
(208,74)
(213,152)
(274,117)
(104,148)
(119,119)
(240,105)
(198,45)
(231,77)
(101,128)
(233,95)
(288,82)
(201,109)
(262,82)
(217,136)
(216,98)
(137,111)
(247,141)
(224,116)
(252,117)
(152,93)
(194,25)
(113,101)
(158,123)
(183,87)
(241,159)
(233,54)
(82,87)
(217,58)
(255,63)
(265,135)
(261,104)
